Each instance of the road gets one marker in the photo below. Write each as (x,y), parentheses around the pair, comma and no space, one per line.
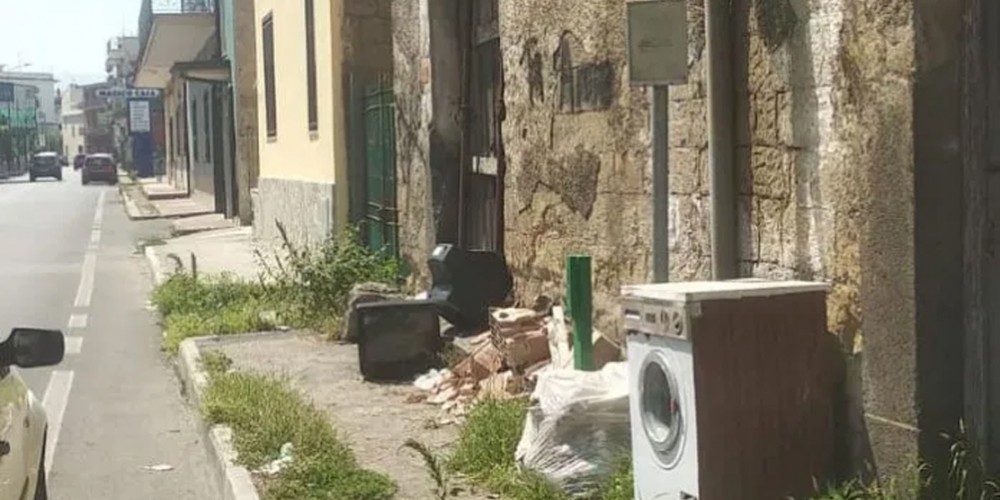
(68,260)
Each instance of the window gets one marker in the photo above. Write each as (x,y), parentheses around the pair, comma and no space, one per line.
(208,127)
(311,65)
(270,107)
(194,130)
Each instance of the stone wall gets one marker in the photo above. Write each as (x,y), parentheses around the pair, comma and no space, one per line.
(244,68)
(411,68)
(304,208)
(427,87)
(368,34)
(578,160)
(825,179)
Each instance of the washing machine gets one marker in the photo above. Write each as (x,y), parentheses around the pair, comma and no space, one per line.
(731,389)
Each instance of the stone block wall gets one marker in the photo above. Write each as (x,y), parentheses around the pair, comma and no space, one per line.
(577,141)
(411,76)
(367,34)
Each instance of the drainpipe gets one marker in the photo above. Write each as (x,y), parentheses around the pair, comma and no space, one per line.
(718,14)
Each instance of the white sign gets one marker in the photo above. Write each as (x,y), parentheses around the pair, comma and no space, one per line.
(657,42)
(129,93)
(138,116)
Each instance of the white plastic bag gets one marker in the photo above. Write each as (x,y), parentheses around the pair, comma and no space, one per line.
(577,427)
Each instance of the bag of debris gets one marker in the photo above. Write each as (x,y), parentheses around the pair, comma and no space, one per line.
(577,427)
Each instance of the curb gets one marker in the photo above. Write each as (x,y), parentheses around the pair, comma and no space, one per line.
(131,209)
(235,480)
(154,265)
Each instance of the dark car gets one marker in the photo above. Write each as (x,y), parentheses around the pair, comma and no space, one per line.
(78,161)
(99,167)
(45,165)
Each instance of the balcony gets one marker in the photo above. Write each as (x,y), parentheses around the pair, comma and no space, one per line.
(171,31)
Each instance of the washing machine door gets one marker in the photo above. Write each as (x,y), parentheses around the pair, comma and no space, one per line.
(661,409)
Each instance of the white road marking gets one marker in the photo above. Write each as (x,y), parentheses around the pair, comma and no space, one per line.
(77,321)
(56,397)
(99,213)
(86,289)
(73,345)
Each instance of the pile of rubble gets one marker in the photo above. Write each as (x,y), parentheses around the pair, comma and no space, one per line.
(504,361)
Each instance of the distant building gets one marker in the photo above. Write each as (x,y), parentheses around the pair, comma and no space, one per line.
(48,118)
(74,124)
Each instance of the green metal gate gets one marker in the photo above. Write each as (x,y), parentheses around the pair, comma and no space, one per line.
(380,228)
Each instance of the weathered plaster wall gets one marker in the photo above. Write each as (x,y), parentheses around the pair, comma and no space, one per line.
(411,70)
(368,34)
(578,177)
(426,76)
(243,62)
(825,175)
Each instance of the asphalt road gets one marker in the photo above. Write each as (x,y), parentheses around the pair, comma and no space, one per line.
(68,260)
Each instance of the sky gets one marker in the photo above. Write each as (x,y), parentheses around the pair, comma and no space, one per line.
(65,37)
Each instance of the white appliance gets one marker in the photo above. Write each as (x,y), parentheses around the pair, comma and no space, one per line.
(715,412)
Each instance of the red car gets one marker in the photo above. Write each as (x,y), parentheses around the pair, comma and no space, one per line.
(99,167)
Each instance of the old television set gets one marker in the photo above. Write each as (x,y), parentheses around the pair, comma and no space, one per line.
(398,340)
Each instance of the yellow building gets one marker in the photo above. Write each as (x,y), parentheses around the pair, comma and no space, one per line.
(305,66)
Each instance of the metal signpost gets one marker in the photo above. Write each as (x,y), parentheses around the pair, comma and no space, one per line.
(658,57)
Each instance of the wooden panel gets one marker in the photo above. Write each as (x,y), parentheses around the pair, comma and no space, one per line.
(764,381)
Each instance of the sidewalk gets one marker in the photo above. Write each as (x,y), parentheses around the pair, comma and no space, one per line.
(219,251)
(375,420)
(151,199)
(155,189)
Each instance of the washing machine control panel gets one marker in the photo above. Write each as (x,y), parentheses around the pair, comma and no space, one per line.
(658,318)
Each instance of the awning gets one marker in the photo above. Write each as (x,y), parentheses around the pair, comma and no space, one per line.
(215,70)
(173,38)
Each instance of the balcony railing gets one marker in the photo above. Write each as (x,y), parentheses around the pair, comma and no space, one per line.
(152,8)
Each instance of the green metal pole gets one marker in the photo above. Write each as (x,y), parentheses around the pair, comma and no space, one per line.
(579,302)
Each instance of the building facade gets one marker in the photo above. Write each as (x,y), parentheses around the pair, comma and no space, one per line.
(73,121)
(860,157)
(300,119)
(45,86)
(239,48)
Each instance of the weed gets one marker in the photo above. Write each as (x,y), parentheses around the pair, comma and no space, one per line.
(485,451)
(316,280)
(219,305)
(264,413)
(965,479)
(434,467)
(619,486)
(489,438)
(215,363)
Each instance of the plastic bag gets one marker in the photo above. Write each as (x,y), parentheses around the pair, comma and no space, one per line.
(577,427)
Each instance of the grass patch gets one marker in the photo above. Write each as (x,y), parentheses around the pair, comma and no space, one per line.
(304,288)
(315,281)
(264,413)
(219,305)
(485,452)
(966,479)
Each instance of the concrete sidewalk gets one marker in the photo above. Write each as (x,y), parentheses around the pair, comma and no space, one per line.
(229,251)
(201,223)
(156,189)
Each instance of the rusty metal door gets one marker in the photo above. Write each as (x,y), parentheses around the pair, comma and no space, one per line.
(380,225)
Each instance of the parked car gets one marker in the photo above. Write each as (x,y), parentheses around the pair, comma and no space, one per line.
(23,423)
(45,165)
(78,161)
(99,167)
